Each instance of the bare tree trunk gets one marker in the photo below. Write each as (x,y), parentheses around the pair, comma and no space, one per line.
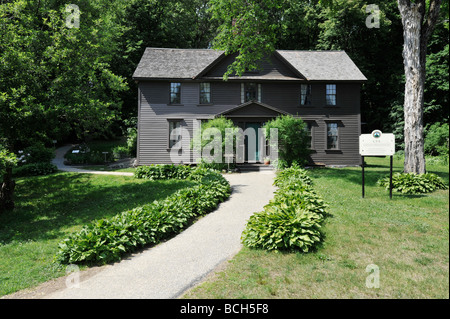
(415,34)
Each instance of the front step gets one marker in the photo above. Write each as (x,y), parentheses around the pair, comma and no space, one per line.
(254,167)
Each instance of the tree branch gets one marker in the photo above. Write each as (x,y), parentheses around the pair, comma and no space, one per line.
(430,23)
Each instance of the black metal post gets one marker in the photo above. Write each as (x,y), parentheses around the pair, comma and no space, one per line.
(362,166)
(390,179)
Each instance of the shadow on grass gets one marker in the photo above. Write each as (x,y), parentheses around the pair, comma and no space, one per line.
(48,207)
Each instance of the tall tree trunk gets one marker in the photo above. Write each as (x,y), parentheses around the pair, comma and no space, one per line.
(7,191)
(416,32)
(414,87)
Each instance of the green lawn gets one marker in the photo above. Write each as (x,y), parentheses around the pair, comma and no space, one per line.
(48,208)
(406,237)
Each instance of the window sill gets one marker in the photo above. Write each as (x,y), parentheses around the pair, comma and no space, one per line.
(170,104)
(306,106)
(208,104)
(333,151)
(331,106)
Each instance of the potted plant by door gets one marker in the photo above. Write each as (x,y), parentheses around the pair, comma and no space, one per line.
(266,160)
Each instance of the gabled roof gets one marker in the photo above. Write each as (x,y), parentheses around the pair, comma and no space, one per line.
(161,63)
(323,65)
(253,108)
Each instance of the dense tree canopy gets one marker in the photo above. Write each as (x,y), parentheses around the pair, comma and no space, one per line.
(59,82)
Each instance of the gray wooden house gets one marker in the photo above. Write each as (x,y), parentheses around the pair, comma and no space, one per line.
(181,87)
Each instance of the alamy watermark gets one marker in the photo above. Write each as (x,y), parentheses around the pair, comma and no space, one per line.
(73,17)
(211,146)
(73,276)
(373,279)
(373,19)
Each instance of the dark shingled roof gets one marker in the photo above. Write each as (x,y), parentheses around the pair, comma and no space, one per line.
(160,63)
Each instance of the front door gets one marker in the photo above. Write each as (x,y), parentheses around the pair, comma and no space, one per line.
(252,142)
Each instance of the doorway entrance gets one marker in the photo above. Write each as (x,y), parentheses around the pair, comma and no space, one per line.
(252,142)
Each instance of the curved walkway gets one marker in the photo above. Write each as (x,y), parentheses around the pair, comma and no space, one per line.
(59,162)
(169,269)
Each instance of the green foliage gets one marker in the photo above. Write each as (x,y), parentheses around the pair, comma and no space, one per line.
(201,139)
(292,139)
(7,160)
(409,183)
(106,240)
(35,169)
(163,171)
(73,88)
(247,28)
(293,174)
(36,153)
(293,218)
(436,140)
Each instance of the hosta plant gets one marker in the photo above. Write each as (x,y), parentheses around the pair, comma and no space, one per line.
(410,183)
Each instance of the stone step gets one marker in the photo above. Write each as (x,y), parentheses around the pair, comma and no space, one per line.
(254,167)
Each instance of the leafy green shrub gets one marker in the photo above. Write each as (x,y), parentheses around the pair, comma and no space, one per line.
(92,153)
(409,183)
(107,240)
(436,140)
(36,153)
(292,174)
(132,141)
(293,140)
(35,169)
(222,124)
(164,171)
(293,218)
(120,152)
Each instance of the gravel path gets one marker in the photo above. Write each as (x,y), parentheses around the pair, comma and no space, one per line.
(170,268)
(59,162)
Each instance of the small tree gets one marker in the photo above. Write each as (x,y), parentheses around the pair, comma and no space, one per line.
(7,161)
(202,141)
(292,140)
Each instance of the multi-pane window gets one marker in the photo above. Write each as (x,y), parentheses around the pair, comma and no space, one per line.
(205,93)
(175,93)
(250,92)
(174,136)
(331,94)
(332,136)
(305,94)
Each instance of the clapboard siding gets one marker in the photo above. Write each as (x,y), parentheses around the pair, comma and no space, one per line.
(155,113)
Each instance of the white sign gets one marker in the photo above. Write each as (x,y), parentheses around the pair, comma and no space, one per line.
(377,144)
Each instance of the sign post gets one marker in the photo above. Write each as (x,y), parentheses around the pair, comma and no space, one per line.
(377,144)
